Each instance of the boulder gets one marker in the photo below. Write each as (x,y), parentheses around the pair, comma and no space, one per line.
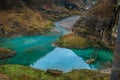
(54,72)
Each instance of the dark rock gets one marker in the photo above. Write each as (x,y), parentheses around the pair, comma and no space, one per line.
(10,4)
(71,6)
(96,25)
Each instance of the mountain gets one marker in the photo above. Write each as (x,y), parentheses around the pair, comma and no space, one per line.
(29,17)
(55,4)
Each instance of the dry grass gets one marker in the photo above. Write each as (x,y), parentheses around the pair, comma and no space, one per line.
(23,21)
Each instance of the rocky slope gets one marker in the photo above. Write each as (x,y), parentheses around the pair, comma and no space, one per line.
(57,9)
(56,4)
(96,25)
(17,72)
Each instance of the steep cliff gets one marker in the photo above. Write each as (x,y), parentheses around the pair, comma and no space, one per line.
(114,29)
(97,24)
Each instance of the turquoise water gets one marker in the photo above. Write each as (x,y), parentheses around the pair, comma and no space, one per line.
(38,52)
(29,48)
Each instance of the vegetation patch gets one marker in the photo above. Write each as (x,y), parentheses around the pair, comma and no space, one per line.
(17,72)
(72,40)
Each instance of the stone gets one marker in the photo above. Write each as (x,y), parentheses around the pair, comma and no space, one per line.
(54,72)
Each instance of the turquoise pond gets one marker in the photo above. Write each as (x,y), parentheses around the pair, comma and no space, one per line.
(38,52)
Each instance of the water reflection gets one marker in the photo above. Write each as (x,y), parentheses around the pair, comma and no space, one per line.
(61,59)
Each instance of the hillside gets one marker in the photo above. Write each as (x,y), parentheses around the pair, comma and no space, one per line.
(18,19)
(55,4)
(96,25)
(15,19)
(57,9)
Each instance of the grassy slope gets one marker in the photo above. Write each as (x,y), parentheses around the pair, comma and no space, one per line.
(17,72)
(22,21)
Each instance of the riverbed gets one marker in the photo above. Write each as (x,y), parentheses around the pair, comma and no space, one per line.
(38,51)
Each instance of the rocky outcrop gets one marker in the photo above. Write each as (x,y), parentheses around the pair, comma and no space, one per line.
(6,53)
(97,24)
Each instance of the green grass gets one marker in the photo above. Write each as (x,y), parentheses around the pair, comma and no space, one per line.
(17,72)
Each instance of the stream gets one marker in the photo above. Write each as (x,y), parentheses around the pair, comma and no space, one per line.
(38,51)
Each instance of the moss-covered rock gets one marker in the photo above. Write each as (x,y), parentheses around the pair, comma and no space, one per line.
(17,72)
(72,40)
(6,53)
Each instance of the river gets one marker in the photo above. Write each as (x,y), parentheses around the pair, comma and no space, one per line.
(38,51)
